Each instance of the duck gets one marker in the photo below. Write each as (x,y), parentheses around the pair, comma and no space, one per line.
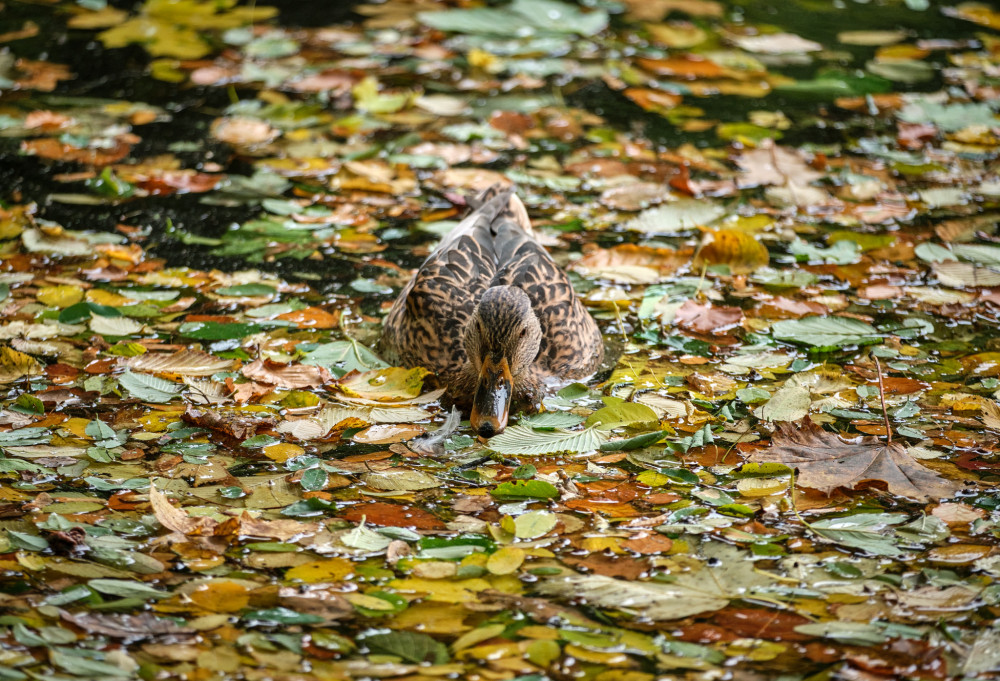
(493,316)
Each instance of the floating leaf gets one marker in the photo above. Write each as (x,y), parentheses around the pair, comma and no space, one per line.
(825,331)
(522,439)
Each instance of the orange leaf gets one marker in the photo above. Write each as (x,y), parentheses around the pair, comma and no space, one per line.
(741,251)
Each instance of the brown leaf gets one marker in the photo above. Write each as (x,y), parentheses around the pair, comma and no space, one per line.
(234,424)
(707,319)
(183,362)
(316,600)
(115,625)
(392,515)
(293,376)
(826,462)
(282,529)
(774,165)
(635,196)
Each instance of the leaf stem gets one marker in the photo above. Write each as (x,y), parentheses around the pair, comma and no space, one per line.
(881,396)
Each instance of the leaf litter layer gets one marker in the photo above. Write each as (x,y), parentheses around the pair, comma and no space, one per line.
(786,225)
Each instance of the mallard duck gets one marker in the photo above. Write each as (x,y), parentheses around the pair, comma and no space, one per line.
(493,316)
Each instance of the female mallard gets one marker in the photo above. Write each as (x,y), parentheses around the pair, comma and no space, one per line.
(492,315)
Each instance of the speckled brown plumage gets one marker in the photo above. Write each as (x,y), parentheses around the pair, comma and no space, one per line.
(493,247)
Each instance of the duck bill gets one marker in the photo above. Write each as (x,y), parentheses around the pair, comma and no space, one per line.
(491,404)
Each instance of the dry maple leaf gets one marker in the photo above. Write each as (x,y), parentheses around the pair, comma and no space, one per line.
(826,462)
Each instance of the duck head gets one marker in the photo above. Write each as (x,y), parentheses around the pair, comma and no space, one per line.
(502,340)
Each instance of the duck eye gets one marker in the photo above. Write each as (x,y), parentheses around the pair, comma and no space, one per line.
(524,332)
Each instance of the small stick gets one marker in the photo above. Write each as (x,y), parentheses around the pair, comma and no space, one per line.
(881,396)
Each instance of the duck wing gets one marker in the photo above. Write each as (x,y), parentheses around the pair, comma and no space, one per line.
(426,324)
(572,346)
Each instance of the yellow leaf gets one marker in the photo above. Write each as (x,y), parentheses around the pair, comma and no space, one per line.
(384,385)
(477,635)
(102,18)
(60,296)
(460,591)
(329,570)
(740,251)
(16,365)
(157,421)
(368,602)
(109,298)
(543,652)
(221,596)
(505,561)
(77,426)
(433,618)
(283,451)
(761,487)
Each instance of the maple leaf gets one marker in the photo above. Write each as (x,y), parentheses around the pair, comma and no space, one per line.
(826,461)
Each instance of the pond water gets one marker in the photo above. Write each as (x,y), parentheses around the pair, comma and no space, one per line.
(783,216)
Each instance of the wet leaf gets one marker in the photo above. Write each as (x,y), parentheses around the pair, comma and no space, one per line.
(825,462)
(825,331)
(522,439)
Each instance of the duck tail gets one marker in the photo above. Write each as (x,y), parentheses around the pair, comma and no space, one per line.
(508,206)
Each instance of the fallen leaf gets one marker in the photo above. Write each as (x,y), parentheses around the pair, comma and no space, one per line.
(825,462)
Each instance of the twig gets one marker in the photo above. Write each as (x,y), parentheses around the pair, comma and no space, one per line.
(881,396)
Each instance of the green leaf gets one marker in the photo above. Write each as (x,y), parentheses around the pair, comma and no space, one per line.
(75,663)
(344,356)
(149,388)
(783,278)
(314,479)
(23,437)
(622,415)
(525,489)
(534,524)
(74,314)
(680,216)
(410,646)
(28,404)
(521,439)
(524,472)
(281,615)
(247,290)
(840,253)
(553,419)
(948,117)
(865,531)
(217,330)
(825,331)
(519,19)
(258,441)
(126,589)
(980,254)
(637,442)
